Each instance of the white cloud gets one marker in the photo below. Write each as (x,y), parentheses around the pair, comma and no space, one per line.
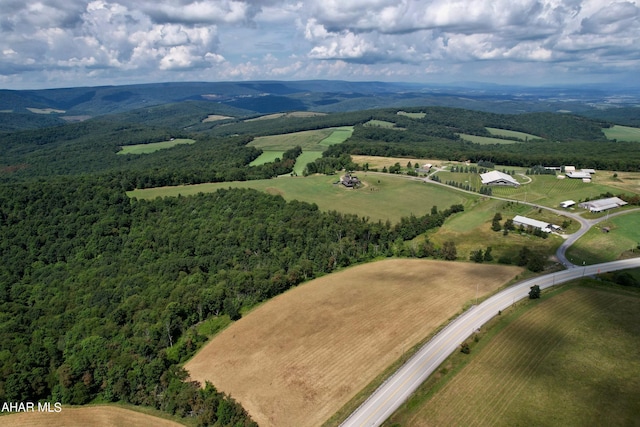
(253,39)
(199,11)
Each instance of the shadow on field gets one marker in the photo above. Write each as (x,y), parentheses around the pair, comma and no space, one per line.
(575,358)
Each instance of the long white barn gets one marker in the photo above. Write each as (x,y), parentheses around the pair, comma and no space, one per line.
(530,222)
(498,178)
(603,204)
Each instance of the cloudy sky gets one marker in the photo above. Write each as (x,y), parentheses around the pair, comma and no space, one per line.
(61,43)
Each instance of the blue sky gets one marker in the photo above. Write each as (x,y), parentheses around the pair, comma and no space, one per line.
(62,43)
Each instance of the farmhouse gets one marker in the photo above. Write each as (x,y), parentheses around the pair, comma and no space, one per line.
(534,223)
(426,168)
(603,204)
(498,178)
(349,181)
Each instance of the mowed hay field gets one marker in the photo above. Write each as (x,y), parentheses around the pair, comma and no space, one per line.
(573,359)
(383,197)
(94,416)
(297,359)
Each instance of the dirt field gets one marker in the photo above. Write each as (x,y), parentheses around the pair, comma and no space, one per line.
(93,416)
(380,162)
(297,359)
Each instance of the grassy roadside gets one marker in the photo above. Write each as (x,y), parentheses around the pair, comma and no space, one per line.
(566,348)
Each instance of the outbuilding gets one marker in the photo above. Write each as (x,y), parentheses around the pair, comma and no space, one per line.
(567,204)
(603,204)
(578,175)
(534,223)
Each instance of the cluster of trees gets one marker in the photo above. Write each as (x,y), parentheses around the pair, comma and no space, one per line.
(510,226)
(540,170)
(412,226)
(330,164)
(533,260)
(479,256)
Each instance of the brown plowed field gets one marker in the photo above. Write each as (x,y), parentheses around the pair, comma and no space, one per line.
(297,359)
(87,416)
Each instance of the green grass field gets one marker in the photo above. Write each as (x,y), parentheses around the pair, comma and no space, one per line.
(154,146)
(512,134)
(412,115)
(267,157)
(337,136)
(385,197)
(305,158)
(312,142)
(599,246)
(622,133)
(471,230)
(548,190)
(486,140)
(308,140)
(380,124)
(569,359)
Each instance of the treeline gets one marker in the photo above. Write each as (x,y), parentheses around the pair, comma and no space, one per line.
(620,156)
(91,147)
(96,290)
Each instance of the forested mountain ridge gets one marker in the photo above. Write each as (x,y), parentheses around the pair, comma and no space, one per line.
(261,97)
(567,139)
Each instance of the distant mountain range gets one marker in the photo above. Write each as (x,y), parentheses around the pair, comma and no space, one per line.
(38,108)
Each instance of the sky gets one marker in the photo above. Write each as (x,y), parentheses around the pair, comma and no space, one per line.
(66,43)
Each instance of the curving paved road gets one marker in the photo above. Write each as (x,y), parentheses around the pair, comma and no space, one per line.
(397,388)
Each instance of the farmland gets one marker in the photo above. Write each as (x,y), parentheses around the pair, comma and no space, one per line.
(154,146)
(412,115)
(622,133)
(600,245)
(312,142)
(472,230)
(298,358)
(486,140)
(548,190)
(215,118)
(266,157)
(512,134)
(379,162)
(94,416)
(580,347)
(384,197)
(380,123)
(307,140)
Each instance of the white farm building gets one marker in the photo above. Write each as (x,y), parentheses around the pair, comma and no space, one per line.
(498,178)
(603,204)
(534,223)
(579,175)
